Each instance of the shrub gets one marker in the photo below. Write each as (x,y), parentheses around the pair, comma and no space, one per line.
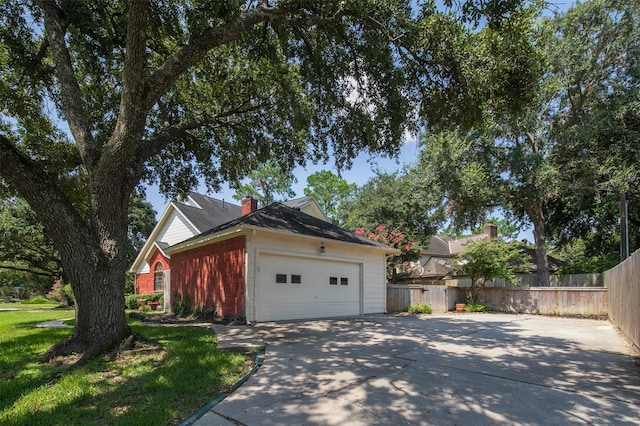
(420,308)
(132,301)
(68,294)
(36,301)
(181,305)
(475,307)
(61,293)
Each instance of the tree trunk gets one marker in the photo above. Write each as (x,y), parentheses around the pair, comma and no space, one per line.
(96,270)
(542,263)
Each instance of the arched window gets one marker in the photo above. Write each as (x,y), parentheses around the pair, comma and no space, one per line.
(158,277)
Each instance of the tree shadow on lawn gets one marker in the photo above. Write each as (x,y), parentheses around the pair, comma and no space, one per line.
(392,370)
(140,389)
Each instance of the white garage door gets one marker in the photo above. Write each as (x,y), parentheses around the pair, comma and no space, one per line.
(289,287)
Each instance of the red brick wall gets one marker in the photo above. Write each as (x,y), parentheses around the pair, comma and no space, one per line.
(212,277)
(144,282)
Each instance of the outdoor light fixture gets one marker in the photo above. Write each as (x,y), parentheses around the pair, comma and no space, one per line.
(322,249)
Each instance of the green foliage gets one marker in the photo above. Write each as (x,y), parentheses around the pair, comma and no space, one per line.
(585,255)
(141,220)
(31,284)
(489,258)
(598,123)
(38,300)
(132,301)
(181,305)
(420,308)
(475,307)
(409,250)
(61,293)
(269,183)
(330,191)
(24,245)
(166,384)
(403,201)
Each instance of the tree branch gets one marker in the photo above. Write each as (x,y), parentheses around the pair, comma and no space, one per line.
(43,273)
(167,74)
(52,207)
(131,118)
(71,95)
(153,146)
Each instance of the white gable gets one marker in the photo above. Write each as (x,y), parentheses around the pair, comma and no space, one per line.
(312,209)
(172,228)
(175,230)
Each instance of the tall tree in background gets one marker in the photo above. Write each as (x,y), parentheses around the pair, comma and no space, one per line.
(172,92)
(330,191)
(404,201)
(25,246)
(267,184)
(597,126)
(501,164)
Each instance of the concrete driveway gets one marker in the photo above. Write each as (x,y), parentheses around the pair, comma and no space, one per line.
(465,369)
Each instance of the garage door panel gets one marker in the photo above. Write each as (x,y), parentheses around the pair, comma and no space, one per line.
(325,288)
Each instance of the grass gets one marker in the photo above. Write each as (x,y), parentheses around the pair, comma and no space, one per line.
(27,305)
(148,387)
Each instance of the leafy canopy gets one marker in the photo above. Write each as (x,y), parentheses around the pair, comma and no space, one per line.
(267,184)
(330,191)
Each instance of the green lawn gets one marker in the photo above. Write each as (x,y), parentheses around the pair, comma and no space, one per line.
(26,306)
(149,387)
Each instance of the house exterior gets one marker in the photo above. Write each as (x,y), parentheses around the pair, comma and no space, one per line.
(437,260)
(281,262)
(181,220)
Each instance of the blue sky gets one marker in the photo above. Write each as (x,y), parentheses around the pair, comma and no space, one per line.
(361,171)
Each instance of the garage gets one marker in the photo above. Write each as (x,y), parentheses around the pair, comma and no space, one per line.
(297,287)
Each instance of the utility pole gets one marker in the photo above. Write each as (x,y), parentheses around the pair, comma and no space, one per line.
(624,228)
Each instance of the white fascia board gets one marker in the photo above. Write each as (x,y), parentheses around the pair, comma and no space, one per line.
(165,254)
(146,248)
(142,255)
(203,241)
(195,203)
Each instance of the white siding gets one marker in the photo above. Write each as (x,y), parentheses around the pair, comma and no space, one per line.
(176,229)
(143,269)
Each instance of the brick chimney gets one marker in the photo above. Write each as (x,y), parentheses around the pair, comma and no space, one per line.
(491,230)
(249,205)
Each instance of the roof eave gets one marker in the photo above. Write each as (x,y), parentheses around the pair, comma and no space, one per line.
(142,254)
(204,240)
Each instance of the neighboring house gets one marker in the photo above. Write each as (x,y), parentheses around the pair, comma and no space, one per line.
(437,260)
(281,262)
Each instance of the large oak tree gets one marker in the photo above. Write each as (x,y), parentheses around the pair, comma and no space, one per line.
(98,96)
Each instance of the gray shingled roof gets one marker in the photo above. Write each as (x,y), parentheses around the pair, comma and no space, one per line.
(298,203)
(213,212)
(280,217)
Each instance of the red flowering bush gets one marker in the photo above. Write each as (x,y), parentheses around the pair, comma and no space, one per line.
(409,250)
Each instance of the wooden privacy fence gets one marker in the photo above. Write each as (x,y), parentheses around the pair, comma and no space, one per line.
(400,296)
(548,300)
(623,282)
(529,280)
(585,301)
